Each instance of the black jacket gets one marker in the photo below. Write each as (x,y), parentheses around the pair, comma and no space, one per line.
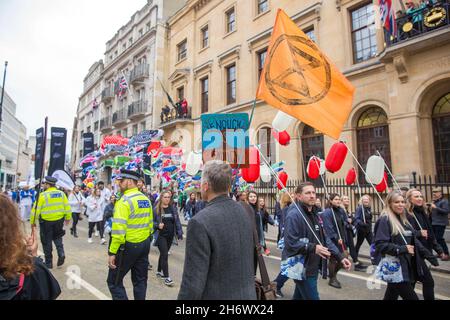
(329,224)
(363,223)
(387,244)
(421,218)
(296,229)
(39,285)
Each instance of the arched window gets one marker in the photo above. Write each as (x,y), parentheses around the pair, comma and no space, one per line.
(441,137)
(267,143)
(312,145)
(372,134)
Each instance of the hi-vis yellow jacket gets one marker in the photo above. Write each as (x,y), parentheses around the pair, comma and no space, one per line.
(52,206)
(132,219)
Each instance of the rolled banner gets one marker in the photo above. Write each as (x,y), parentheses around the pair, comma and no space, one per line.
(375,170)
(265,173)
(282,121)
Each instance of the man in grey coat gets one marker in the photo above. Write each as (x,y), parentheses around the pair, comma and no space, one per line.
(219,244)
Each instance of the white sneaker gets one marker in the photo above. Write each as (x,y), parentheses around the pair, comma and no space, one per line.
(159,274)
(168,253)
(103,241)
(90,240)
(97,233)
(168,282)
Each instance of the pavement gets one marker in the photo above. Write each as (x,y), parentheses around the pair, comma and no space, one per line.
(83,276)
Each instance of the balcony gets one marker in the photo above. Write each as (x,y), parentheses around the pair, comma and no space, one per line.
(139,73)
(431,19)
(172,116)
(137,109)
(107,94)
(105,124)
(119,117)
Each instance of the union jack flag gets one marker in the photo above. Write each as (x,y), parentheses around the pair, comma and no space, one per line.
(388,16)
(123,86)
(95,104)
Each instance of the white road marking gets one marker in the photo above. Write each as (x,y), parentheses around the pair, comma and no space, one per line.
(94,291)
(86,285)
(356,276)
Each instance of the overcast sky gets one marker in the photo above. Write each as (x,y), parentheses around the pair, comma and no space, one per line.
(50,45)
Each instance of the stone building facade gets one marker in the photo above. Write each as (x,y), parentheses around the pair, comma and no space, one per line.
(401,107)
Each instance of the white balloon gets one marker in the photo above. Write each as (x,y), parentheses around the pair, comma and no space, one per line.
(375,170)
(265,173)
(322,168)
(282,121)
(193,163)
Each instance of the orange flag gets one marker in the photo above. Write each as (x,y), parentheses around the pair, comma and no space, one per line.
(301,81)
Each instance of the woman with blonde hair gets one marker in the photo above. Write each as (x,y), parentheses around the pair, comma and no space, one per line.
(395,237)
(418,218)
(23,276)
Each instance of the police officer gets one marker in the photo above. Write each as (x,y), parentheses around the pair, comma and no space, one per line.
(130,245)
(51,210)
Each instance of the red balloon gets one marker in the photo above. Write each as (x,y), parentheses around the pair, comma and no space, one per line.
(383,184)
(336,157)
(351,177)
(283,178)
(251,174)
(313,168)
(282,137)
(183,166)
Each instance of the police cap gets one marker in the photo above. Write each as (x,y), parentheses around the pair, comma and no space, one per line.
(128,174)
(50,180)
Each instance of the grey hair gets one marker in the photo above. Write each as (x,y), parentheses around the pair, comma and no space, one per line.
(218,175)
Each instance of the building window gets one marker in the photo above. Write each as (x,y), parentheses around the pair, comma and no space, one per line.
(364,33)
(231,20)
(182,50)
(263,6)
(441,137)
(124,47)
(205,37)
(130,42)
(312,145)
(372,135)
(143,126)
(180,93)
(141,33)
(231,84)
(125,132)
(310,33)
(204,84)
(96,126)
(268,144)
(261,60)
(88,129)
(135,129)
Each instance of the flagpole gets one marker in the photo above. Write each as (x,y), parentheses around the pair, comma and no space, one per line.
(128,87)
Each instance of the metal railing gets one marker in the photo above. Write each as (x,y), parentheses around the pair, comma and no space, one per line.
(139,72)
(105,123)
(119,116)
(172,114)
(107,93)
(137,108)
(269,191)
(420,21)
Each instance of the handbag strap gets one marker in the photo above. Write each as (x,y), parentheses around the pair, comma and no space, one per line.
(262,265)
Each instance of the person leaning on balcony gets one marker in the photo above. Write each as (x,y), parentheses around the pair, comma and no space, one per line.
(184,107)
(415,12)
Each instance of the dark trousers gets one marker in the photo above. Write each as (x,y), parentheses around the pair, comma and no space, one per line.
(439,232)
(281,280)
(403,289)
(333,267)
(52,231)
(75,218)
(351,246)
(100,228)
(164,245)
(427,284)
(134,257)
(306,289)
(360,237)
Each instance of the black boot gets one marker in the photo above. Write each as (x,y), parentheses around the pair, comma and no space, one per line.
(334,283)
(49,265)
(75,234)
(71,231)
(60,261)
